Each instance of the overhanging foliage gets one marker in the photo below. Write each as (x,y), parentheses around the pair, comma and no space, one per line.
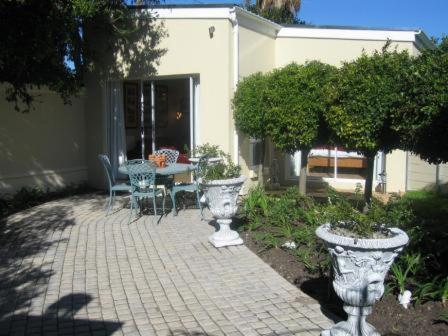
(54,43)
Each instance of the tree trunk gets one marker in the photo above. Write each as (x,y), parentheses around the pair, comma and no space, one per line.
(261,165)
(303,172)
(369,180)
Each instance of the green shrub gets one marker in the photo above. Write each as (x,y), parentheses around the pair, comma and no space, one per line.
(443,317)
(255,208)
(291,216)
(225,169)
(208,150)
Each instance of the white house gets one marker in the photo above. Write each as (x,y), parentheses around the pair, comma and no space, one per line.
(209,49)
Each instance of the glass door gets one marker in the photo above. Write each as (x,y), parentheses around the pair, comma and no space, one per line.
(165,118)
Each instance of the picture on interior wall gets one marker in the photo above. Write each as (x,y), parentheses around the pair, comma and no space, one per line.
(130,105)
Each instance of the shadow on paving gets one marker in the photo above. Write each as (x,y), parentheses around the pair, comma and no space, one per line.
(26,236)
(59,319)
(178,332)
(322,290)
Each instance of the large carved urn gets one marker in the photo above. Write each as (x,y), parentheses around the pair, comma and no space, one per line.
(221,197)
(360,266)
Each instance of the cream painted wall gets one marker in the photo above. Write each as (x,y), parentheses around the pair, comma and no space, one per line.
(396,171)
(95,130)
(42,148)
(257,53)
(191,50)
(443,177)
(421,174)
(331,51)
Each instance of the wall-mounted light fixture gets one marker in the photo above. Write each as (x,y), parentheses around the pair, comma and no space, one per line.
(178,115)
(211,30)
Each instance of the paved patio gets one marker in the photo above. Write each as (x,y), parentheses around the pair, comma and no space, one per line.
(66,269)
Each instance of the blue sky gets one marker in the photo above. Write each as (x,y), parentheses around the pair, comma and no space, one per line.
(429,15)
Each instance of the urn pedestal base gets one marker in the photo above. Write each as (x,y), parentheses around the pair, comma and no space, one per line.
(225,236)
(356,324)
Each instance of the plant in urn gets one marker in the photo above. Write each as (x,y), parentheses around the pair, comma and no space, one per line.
(221,183)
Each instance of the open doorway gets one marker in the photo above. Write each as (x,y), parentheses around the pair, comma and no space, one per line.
(158,114)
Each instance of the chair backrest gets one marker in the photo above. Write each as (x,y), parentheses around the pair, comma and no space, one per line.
(200,168)
(108,168)
(171,154)
(142,173)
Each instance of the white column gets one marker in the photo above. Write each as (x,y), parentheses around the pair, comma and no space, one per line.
(153,117)
(192,130)
(236,74)
(197,119)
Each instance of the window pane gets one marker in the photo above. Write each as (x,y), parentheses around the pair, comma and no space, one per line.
(321,162)
(350,164)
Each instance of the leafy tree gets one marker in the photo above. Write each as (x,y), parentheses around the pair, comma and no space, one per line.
(55,43)
(281,12)
(297,101)
(423,119)
(366,97)
(250,110)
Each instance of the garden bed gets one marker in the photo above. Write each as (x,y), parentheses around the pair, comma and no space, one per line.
(388,316)
(268,221)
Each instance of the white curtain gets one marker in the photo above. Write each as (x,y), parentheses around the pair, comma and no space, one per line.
(115,126)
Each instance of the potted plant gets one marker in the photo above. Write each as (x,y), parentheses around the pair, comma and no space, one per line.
(221,183)
(362,249)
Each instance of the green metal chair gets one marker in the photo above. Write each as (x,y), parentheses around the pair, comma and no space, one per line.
(114,186)
(171,157)
(190,187)
(142,174)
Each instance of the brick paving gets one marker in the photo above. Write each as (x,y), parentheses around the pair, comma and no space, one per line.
(66,269)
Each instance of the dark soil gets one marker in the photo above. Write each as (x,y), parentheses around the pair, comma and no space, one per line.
(390,318)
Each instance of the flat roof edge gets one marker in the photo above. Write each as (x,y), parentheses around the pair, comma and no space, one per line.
(225,11)
(350,34)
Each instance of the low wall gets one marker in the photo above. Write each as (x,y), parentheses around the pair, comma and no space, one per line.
(44,147)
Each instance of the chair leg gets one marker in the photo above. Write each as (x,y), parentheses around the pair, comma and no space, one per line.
(163,205)
(110,202)
(114,194)
(173,200)
(154,204)
(198,199)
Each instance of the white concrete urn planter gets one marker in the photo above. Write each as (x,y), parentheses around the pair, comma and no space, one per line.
(360,266)
(221,197)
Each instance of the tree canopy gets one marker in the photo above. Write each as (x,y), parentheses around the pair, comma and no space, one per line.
(297,103)
(286,105)
(250,105)
(378,102)
(54,43)
(366,96)
(250,111)
(423,118)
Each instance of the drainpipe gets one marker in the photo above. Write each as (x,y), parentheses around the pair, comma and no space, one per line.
(236,73)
